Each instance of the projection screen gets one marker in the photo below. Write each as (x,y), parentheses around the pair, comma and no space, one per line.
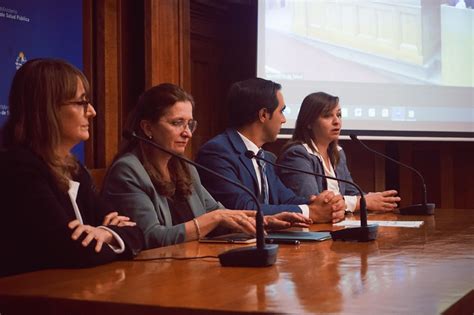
(403,69)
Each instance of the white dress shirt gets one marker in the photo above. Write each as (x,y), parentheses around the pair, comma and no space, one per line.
(252,147)
(333,185)
(72,192)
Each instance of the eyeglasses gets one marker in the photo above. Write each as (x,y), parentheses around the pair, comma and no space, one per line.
(83,103)
(182,124)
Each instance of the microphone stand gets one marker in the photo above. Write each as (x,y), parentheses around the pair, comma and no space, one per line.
(364,233)
(261,255)
(423,208)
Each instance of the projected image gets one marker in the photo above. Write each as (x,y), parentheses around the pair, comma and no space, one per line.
(396,65)
(408,42)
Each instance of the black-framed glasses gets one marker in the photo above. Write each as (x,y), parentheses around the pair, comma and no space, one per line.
(83,103)
(182,124)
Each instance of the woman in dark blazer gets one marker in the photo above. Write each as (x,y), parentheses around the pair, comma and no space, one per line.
(314,147)
(163,194)
(50,215)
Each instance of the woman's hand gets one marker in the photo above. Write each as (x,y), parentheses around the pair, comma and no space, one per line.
(113,218)
(382,201)
(100,235)
(239,220)
(285,220)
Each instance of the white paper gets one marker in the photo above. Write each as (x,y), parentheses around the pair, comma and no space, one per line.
(408,224)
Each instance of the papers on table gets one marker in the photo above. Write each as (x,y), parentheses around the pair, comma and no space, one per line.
(408,224)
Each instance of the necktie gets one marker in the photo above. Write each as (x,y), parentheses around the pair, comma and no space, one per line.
(264,193)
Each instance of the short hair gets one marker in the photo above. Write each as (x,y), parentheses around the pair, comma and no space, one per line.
(37,91)
(246,98)
(151,106)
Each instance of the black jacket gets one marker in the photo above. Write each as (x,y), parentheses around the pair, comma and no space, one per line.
(34,215)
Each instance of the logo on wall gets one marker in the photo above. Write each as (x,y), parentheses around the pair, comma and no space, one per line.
(20,60)
(4,110)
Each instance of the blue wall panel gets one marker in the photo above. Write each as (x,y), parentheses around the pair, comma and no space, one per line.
(33,29)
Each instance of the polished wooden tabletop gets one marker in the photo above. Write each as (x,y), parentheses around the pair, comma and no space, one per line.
(426,270)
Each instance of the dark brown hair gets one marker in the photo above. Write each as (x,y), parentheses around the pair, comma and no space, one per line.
(314,105)
(38,89)
(246,98)
(151,106)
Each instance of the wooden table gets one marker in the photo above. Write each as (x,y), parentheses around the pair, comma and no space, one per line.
(427,270)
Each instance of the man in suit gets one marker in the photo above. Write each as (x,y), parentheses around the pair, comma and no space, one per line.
(255,109)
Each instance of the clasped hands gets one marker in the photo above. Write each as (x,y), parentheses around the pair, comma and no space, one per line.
(99,234)
(327,207)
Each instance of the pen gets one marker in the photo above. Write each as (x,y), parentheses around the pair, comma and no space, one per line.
(283,241)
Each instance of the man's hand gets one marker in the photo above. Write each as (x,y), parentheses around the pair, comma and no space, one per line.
(284,220)
(327,207)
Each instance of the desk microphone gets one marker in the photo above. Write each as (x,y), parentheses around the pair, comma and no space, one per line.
(261,255)
(419,209)
(364,233)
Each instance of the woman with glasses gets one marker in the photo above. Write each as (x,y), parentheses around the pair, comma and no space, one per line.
(314,147)
(163,194)
(50,214)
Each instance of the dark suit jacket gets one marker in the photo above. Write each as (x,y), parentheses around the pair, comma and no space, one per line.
(305,185)
(34,216)
(226,154)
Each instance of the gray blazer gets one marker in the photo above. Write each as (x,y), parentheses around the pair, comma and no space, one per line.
(128,187)
(305,185)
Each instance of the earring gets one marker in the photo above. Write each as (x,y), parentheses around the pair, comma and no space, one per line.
(150,137)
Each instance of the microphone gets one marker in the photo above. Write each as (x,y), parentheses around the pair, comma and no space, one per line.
(261,255)
(419,209)
(364,233)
